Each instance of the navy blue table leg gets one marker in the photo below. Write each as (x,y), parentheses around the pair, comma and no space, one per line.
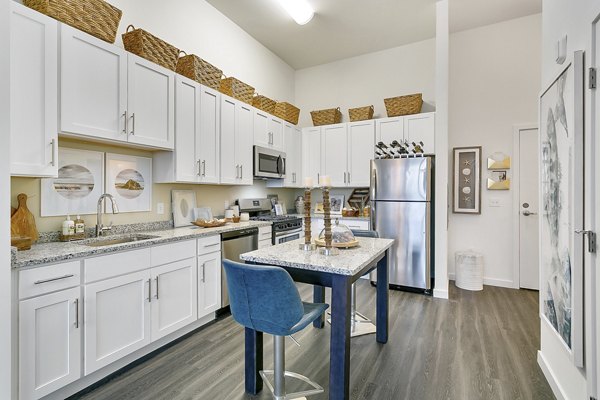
(254,361)
(382,299)
(319,297)
(339,358)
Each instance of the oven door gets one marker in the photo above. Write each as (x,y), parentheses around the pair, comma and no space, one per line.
(287,236)
(268,163)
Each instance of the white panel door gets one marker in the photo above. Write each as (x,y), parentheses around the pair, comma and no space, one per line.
(262,135)
(244,140)
(336,146)
(311,153)
(93,86)
(208,147)
(49,343)
(117,318)
(33,92)
(187,128)
(230,167)
(276,129)
(293,152)
(150,103)
(421,128)
(209,283)
(361,142)
(389,129)
(175,297)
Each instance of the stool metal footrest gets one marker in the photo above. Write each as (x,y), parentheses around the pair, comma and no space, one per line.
(289,396)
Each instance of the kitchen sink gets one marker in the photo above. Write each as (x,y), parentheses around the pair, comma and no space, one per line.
(119,240)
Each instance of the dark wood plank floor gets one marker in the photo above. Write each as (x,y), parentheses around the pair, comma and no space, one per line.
(478,345)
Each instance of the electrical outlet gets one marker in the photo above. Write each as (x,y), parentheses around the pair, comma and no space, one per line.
(160,208)
(494,202)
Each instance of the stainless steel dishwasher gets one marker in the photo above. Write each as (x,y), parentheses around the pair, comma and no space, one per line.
(232,245)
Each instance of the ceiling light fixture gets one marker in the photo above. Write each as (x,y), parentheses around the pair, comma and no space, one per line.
(299,10)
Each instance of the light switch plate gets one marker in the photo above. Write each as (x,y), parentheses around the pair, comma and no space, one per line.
(494,202)
(160,208)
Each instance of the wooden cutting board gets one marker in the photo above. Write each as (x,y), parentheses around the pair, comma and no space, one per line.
(22,222)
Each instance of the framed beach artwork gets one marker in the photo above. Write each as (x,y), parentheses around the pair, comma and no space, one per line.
(466,183)
(129,180)
(561,197)
(337,203)
(79,184)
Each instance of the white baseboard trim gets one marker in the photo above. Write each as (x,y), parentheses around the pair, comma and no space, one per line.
(490,281)
(549,374)
(440,293)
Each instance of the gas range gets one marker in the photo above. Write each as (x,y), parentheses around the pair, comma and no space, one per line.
(281,223)
(284,227)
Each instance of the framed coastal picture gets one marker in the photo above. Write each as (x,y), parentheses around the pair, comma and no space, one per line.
(561,197)
(466,183)
(129,180)
(79,184)
(337,203)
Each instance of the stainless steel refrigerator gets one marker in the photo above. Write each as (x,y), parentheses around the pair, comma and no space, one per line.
(402,209)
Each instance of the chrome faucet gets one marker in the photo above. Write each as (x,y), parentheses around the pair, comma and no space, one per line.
(100,229)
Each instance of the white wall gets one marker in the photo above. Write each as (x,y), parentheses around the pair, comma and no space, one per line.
(197,27)
(368,79)
(494,84)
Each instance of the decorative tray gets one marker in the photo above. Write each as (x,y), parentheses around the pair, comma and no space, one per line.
(343,245)
(214,223)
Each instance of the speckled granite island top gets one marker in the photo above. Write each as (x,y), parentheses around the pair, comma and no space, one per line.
(348,262)
(57,251)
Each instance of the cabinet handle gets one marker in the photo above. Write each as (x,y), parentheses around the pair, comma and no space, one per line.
(133,124)
(241,172)
(348,177)
(213,244)
(344,177)
(199,168)
(149,290)
(156,287)
(53,279)
(54,152)
(203,272)
(237,171)
(125,119)
(318,178)
(77,313)
(203,167)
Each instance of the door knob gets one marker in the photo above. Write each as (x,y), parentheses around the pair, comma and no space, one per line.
(527,213)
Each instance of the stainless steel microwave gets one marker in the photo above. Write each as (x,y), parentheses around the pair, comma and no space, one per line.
(268,163)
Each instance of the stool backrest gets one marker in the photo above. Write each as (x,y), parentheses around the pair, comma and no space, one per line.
(365,233)
(262,297)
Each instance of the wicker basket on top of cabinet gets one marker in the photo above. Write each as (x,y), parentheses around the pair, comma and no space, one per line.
(199,70)
(150,47)
(237,89)
(287,112)
(264,103)
(404,105)
(361,113)
(326,117)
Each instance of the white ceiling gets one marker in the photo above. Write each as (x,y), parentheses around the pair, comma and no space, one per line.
(347,28)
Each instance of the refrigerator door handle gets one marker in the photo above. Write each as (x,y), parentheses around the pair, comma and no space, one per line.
(373,219)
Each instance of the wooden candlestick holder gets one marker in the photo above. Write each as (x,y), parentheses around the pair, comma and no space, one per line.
(307,245)
(328,250)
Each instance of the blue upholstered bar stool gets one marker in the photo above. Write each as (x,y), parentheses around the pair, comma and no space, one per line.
(265,298)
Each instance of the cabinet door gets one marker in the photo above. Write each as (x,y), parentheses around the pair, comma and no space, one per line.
(93,86)
(33,92)
(421,128)
(244,139)
(291,155)
(175,297)
(49,343)
(336,145)
(311,153)
(209,283)
(276,129)
(209,146)
(389,129)
(187,125)
(361,142)
(117,318)
(150,103)
(230,167)
(262,135)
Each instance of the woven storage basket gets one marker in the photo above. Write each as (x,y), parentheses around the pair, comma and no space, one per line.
(404,105)
(148,46)
(96,17)
(326,117)
(287,112)
(193,67)
(264,103)
(237,89)
(361,113)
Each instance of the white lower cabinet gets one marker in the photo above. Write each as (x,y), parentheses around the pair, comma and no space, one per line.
(174,296)
(117,318)
(49,343)
(209,283)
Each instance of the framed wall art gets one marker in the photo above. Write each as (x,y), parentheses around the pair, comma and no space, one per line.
(562,203)
(79,184)
(337,203)
(183,204)
(466,184)
(129,180)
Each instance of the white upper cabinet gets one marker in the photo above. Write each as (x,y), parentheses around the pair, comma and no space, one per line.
(237,137)
(243,142)
(208,148)
(336,144)
(293,154)
(361,141)
(230,169)
(276,129)
(150,103)
(268,130)
(33,92)
(93,86)
(311,153)
(410,128)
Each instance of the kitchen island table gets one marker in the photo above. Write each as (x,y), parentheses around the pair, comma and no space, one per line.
(338,272)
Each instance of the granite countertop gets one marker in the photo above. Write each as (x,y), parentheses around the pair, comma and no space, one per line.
(333,217)
(60,251)
(348,262)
